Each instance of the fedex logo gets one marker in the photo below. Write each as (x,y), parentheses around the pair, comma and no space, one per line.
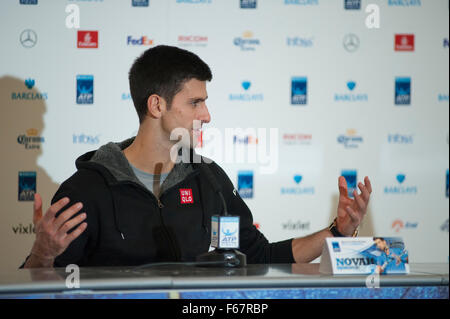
(186,196)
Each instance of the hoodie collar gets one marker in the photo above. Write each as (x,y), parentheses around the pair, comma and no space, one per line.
(111,157)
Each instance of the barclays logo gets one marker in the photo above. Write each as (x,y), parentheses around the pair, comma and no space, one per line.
(246,97)
(195,1)
(401,189)
(302,2)
(404,3)
(298,190)
(126,97)
(351,97)
(29,95)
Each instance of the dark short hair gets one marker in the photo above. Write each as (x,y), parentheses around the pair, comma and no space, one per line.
(163,70)
(380,238)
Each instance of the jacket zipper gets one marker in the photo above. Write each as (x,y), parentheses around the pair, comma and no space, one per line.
(160,206)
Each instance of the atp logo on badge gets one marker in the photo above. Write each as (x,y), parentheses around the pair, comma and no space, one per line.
(403,91)
(27,186)
(248,4)
(186,196)
(299,91)
(245,184)
(85,89)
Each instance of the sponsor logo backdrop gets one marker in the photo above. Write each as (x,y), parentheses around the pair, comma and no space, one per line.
(345,99)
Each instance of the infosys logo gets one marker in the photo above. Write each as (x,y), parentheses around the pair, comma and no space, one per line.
(140,41)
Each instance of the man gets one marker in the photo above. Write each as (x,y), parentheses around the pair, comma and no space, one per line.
(124,205)
(392,258)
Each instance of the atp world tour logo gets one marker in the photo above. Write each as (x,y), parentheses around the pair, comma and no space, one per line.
(403,91)
(299,91)
(245,184)
(27,186)
(248,4)
(85,89)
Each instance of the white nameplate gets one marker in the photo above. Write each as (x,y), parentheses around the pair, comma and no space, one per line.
(225,231)
(364,255)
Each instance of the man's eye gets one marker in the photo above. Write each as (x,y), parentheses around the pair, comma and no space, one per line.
(195,103)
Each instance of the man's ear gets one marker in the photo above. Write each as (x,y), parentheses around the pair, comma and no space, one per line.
(156,105)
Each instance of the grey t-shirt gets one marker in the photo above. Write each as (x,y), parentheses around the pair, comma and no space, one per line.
(151,181)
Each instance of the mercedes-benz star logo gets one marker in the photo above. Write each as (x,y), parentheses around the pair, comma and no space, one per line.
(28,38)
(351,42)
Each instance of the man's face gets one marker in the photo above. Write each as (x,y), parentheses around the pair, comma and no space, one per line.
(188,106)
(381,244)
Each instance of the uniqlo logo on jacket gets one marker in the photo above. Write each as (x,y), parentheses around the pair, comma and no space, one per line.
(404,42)
(87,39)
(186,196)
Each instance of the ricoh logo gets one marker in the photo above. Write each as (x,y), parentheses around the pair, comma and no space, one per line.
(23,229)
(30,140)
(297,139)
(346,263)
(192,40)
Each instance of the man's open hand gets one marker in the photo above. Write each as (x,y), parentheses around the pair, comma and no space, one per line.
(51,231)
(351,211)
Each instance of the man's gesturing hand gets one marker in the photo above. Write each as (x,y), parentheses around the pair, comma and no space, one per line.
(51,232)
(351,211)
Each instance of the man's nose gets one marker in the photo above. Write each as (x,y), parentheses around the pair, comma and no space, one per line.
(205,116)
